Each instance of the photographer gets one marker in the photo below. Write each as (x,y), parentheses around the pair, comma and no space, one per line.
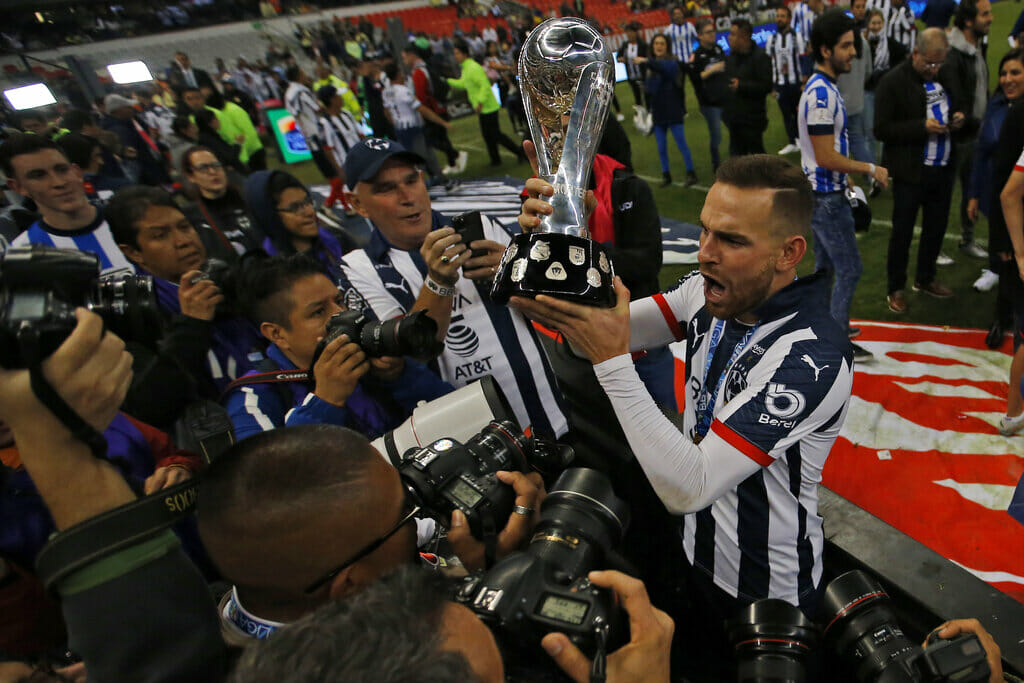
(291,301)
(212,348)
(416,261)
(440,641)
(267,505)
(142,613)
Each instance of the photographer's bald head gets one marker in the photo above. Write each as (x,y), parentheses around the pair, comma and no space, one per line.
(281,510)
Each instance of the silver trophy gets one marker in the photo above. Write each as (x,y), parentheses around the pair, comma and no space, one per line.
(567,80)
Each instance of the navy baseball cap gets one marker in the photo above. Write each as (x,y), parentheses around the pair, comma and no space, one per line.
(364,159)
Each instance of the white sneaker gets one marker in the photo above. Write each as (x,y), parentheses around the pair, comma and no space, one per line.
(1008,426)
(449,170)
(620,117)
(789,149)
(460,162)
(943,260)
(987,281)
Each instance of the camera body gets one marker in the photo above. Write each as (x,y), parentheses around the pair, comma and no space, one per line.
(545,587)
(862,629)
(40,287)
(449,475)
(412,335)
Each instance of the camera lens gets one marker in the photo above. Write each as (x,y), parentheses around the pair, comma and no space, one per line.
(772,640)
(581,521)
(861,628)
(127,304)
(411,335)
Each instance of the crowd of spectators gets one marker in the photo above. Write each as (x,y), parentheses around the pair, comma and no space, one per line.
(249,269)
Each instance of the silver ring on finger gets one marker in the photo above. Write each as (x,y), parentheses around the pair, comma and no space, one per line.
(522,510)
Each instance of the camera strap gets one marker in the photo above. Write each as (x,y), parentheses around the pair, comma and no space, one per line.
(103,535)
(272,377)
(79,428)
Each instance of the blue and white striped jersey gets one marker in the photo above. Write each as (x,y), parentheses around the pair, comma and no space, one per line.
(683,39)
(939,145)
(803,19)
(94,238)
(785,50)
(822,112)
(302,104)
(483,338)
(749,488)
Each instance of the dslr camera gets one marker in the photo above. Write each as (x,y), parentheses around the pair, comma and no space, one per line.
(412,335)
(41,286)
(545,588)
(772,640)
(449,475)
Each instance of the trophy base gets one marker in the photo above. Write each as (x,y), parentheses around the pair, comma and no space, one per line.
(557,265)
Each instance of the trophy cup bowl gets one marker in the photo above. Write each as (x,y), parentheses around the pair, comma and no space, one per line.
(567,79)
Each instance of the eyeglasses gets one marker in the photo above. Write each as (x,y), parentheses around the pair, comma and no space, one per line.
(329,576)
(208,168)
(297,207)
(934,65)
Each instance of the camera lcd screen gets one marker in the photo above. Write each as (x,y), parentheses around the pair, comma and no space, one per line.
(464,494)
(563,609)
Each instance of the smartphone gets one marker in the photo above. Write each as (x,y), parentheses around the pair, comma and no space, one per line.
(469,226)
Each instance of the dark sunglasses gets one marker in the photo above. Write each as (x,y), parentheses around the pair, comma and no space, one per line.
(329,576)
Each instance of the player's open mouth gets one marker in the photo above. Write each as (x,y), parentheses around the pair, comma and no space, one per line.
(713,289)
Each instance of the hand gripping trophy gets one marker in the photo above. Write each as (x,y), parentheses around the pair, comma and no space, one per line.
(567,79)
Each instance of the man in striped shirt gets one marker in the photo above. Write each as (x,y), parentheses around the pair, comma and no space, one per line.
(804,14)
(683,38)
(415,261)
(901,24)
(915,118)
(36,168)
(786,48)
(768,380)
(824,155)
(302,104)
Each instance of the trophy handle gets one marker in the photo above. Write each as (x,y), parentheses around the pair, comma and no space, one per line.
(586,121)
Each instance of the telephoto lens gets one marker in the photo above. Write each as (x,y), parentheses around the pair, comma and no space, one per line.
(413,335)
(772,640)
(861,628)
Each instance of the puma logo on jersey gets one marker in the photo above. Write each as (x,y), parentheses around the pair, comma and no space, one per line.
(817,371)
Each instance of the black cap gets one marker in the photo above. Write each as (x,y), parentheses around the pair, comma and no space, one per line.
(364,159)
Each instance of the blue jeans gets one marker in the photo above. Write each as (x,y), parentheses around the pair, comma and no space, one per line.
(858,139)
(713,116)
(835,248)
(662,139)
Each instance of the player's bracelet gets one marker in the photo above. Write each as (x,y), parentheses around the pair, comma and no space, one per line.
(437,288)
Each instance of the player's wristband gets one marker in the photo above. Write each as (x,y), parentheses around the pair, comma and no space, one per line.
(871,170)
(437,288)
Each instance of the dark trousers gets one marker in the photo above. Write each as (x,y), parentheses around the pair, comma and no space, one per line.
(639,94)
(745,138)
(964,163)
(490,128)
(932,194)
(789,102)
(437,137)
(258,160)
